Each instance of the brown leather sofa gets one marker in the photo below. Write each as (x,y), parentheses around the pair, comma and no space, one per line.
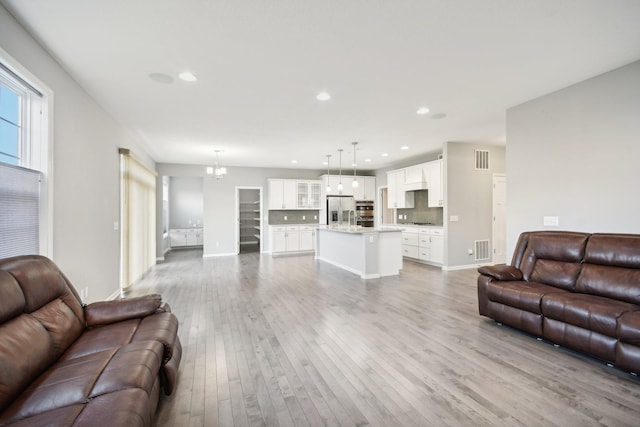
(578,290)
(63,363)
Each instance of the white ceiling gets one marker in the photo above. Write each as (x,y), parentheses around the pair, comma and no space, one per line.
(261,63)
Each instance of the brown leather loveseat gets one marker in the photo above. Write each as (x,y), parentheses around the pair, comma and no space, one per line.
(66,364)
(578,290)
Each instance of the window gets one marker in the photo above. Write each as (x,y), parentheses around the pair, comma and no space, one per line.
(24,180)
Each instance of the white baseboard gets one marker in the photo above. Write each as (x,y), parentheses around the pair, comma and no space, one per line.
(465,267)
(217,255)
(114,295)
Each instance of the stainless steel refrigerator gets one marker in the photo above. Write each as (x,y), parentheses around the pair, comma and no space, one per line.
(338,208)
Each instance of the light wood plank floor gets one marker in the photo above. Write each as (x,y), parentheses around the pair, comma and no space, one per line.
(291,341)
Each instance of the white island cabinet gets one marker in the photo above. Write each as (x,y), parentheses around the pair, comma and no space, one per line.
(366,251)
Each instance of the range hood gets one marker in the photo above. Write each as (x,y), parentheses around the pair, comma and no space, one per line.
(413,186)
(415,178)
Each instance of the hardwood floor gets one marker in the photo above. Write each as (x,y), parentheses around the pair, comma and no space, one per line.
(290,341)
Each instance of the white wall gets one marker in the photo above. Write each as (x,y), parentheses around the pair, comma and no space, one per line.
(575,154)
(185,201)
(469,196)
(85,169)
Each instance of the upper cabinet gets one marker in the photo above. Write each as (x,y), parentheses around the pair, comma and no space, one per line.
(396,194)
(294,194)
(283,194)
(309,194)
(434,174)
(366,189)
(426,176)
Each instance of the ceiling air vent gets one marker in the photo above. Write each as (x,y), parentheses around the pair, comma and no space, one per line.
(482,159)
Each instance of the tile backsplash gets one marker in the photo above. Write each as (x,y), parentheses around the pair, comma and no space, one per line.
(294,217)
(421,212)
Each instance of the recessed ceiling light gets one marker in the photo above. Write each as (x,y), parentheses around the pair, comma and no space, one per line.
(294,161)
(187,77)
(323,96)
(161,78)
(368,160)
(422,111)
(384,154)
(404,147)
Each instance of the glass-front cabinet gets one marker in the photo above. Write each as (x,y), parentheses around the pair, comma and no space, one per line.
(309,194)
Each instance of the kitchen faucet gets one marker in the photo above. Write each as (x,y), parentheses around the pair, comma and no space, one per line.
(349,218)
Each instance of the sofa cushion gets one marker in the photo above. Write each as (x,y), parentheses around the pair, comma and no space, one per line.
(554,258)
(76,381)
(589,312)
(628,329)
(612,267)
(523,295)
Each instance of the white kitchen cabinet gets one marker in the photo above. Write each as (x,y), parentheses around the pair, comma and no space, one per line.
(283,194)
(292,238)
(410,238)
(308,194)
(181,237)
(434,175)
(431,245)
(278,239)
(333,181)
(366,189)
(397,197)
(307,238)
(437,249)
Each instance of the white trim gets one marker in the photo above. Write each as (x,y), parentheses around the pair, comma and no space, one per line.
(114,295)
(465,267)
(219,255)
(45,159)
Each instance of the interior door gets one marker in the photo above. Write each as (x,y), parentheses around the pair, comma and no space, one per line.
(499,219)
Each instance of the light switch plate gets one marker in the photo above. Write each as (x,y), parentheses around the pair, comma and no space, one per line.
(454,218)
(552,221)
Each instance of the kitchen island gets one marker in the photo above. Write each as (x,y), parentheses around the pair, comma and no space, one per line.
(366,251)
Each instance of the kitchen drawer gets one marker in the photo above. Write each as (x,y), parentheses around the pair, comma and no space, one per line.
(307,227)
(437,232)
(424,254)
(293,228)
(278,228)
(410,239)
(425,230)
(424,241)
(410,251)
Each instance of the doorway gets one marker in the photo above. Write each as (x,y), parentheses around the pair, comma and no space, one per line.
(499,219)
(249,208)
(385,215)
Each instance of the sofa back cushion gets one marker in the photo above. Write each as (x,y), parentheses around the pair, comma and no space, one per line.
(553,258)
(612,267)
(40,317)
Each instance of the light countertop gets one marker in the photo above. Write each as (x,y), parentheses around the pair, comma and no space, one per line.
(358,229)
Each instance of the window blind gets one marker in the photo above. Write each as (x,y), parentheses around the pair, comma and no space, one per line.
(19,211)
(138,192)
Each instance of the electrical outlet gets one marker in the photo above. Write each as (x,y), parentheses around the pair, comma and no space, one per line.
(315,217)
(304,217)
(285,218)
(470,251)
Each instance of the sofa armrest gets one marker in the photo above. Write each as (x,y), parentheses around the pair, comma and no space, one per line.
(106,312)
(501,272)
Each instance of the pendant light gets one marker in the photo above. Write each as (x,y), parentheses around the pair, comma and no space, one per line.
(354,183)
(218,172)
(340,186)
(328,175)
